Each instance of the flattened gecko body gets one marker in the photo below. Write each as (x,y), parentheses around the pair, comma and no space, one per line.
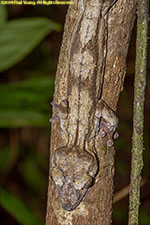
(82,115)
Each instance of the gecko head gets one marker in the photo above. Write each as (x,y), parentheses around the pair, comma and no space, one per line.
(73,173)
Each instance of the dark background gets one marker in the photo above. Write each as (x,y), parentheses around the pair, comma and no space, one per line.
(29,51)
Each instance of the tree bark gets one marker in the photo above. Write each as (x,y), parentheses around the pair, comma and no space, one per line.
(96,208)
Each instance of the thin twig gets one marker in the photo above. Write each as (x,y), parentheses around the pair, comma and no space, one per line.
(138,117)
(124,192)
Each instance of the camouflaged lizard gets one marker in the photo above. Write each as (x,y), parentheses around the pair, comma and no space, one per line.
(83,115)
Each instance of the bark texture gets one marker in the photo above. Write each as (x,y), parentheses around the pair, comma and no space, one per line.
(96,208)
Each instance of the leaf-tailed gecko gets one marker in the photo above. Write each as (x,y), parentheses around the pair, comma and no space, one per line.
(83,115)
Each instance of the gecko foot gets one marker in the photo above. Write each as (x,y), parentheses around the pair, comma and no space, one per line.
(107,130)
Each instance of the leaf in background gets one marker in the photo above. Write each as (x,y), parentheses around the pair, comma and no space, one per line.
(17,208)
(26,103)
(19,37)
(8,158)
(120,215)
(3,15)
(32,175)
(144,218)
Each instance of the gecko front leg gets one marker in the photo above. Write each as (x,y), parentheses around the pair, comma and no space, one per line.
(106,122)
(60,114)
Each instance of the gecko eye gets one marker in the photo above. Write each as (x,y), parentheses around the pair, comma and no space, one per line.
(57,176)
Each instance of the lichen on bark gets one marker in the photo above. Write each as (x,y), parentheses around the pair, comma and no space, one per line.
(138,114)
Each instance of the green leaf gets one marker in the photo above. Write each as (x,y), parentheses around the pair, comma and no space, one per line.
(120,215)
(22,119)
(144,218)
(8,158)
(32,175)
(4,159)
(3,15)
(19,37)
(26,103)
(17,208)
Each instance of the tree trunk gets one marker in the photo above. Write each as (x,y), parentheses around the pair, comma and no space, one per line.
(96,208)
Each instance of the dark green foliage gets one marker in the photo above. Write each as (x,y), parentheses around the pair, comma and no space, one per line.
(19,37)
(15,206)
(3,15)
(24,104)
